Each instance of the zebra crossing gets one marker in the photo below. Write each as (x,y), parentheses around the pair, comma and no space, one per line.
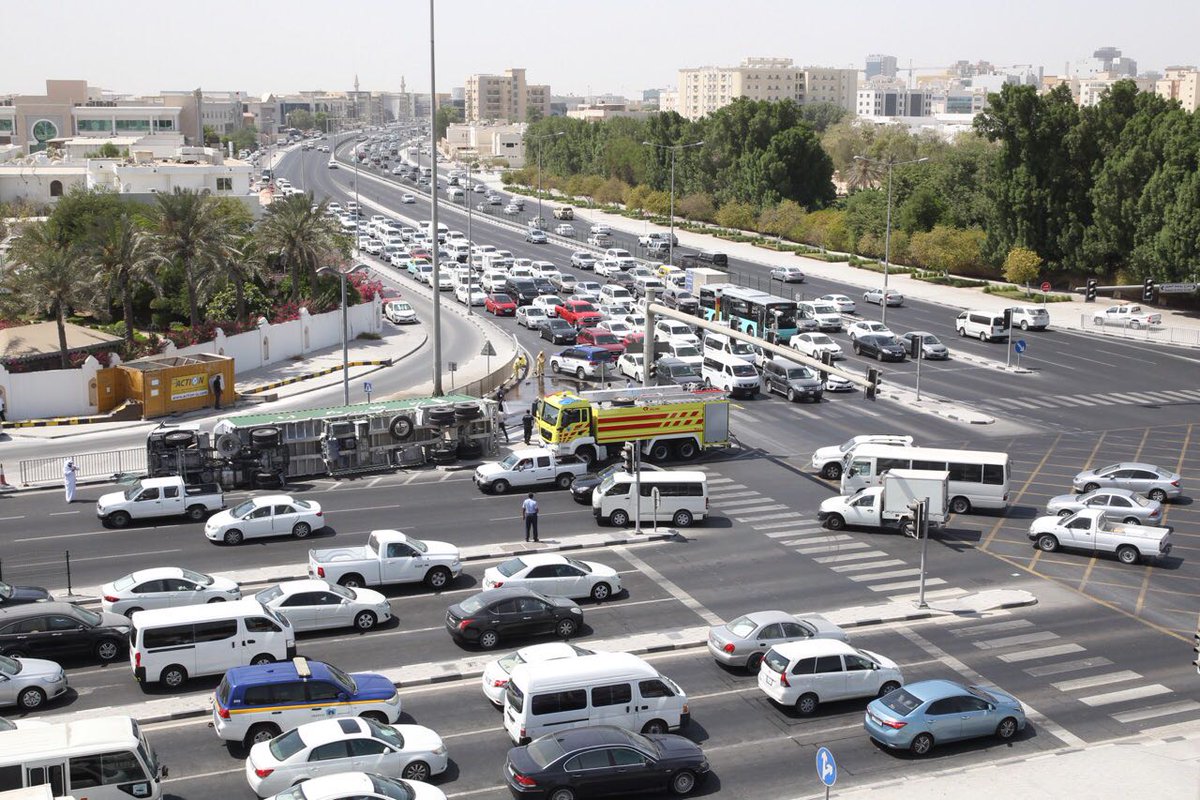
(810,411)
(1124,695)
(1110,399)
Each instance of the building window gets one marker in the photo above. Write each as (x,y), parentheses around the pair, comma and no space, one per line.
(56,188)
(6,125)
(133,124)
(164,124)
(224,184)
(95,125)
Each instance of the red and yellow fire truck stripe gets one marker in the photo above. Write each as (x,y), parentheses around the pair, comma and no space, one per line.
(634,423)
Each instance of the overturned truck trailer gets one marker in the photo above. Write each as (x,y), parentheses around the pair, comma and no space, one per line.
(270,449)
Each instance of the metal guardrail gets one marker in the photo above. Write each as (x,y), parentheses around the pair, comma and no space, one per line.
(88,465)
(1163,334)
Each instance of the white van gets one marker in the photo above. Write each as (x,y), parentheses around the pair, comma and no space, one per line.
(173,644)
(682,498)
(460,250)
(455,193)
(603,689)
(720,343)
(730,373)
(983,325)
(805,674)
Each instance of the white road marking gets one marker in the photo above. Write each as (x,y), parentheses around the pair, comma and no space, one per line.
(891,562)
(61,513)
(1097,680)
(895,587)
(895,573)
(850,557)
(1041,652)
(759,500)
(992,627)
(1067,666)
(1139,714)
(670,586)
(1136,693)
(59,562)
(829,548)
(1016,641)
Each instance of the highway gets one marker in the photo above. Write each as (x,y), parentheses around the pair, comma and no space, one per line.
(1104,654)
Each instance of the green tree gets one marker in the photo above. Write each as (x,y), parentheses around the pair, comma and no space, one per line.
(827,229)
(302,237)
(785,219)
(737,215)
(211,137)
(949,251)
(47,275)
(445,117)
(795,167)
(533,114)
(301,118)
(123,260)
(920,211)
(188,232)
(862,173)
(244,138)
(696,205)
(321,121)
(866,212)
(1022,266)
(822,115)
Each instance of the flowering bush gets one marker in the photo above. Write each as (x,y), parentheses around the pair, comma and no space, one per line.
(206,332)
(368,289)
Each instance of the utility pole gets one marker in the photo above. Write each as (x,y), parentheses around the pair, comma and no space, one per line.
(437,304)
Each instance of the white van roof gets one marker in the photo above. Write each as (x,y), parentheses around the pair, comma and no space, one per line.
(585,670)
(199,612)
(57,741)
(664,476)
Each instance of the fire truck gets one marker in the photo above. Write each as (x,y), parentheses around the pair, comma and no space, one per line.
(665,422)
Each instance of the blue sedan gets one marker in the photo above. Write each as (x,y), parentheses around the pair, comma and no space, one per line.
(920,715)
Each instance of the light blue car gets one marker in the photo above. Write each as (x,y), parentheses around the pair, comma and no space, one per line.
(920,715)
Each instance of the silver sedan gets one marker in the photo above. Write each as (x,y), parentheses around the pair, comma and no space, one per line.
(1154,482)
(312,605)
(744,642)
(1122,504)
(876,296)
(29,682)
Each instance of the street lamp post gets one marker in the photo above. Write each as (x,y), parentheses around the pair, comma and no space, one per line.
(433,226)
(342,275)
(887,232)
(467,193)
(541,219)
(673,148)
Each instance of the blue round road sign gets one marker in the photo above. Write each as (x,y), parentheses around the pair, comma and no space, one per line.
(1019,346)
(826,767)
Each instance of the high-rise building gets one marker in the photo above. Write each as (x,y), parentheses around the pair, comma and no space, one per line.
(506,97)
(703,90)
(831,85)
(880,66)
(1182,84)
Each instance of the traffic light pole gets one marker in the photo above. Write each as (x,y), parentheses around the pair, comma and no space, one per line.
(921,525)
(637,487)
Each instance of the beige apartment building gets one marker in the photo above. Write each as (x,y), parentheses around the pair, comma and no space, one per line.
(703,90)
(505,98)
(1182,84)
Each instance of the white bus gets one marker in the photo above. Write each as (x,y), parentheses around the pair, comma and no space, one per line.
(978,479)
(107,758)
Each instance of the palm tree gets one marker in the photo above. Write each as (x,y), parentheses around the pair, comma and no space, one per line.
(863,173)
(189,230)
(303,237)
(123,258)
(48,275)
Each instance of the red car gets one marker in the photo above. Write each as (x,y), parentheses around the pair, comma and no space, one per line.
(579,313)
(501,305)
(600,338)
(633,340)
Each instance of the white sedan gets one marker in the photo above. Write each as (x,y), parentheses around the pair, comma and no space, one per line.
(410,752)
(269,515)
(814,344)
(408,198)
(565,230)
(840,301)
(876,296)
(496,673)
(531,317)
(359,786)
(864,327)
(555,576)
(478,298)
(165,587)
(617,327)
(548,303)
(311,604)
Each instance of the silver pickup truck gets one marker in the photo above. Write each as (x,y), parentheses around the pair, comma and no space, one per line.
(1093,530)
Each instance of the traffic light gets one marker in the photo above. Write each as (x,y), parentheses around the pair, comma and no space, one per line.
(1148,291)
(1196,647)
(1008,319)
(827,360)
(913,529)
(627,457)
(652,371)
(1090,294)
(872,383)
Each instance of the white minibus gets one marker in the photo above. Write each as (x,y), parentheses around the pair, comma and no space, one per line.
(978,479)
(173,644)
(617,689)
(106,758)
(678,497)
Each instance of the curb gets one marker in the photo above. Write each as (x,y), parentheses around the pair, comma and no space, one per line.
(385,362)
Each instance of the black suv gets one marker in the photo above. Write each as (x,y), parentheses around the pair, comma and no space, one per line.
(793,381)
(56,630)
(521,290)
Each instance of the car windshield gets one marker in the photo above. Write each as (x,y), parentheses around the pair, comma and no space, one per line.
(744,370)
(87,615)
(902,702)
(578,565)
(197,577)
(510,460)
(582,305)
(386,733)
(511,567)
(823,308)
(267,595)
(391,787)
(682,371)
(821,339)
(929,338)
(741,348)
(604,338)
(473,605)
(9,666)
(285,746)
(686,351)
(120,584)
(545,751)
(242,510)
(742,626)
(548,415)
(798,374)
(983,695)
(345,680)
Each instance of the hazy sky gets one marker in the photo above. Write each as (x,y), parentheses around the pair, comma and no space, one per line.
(619,46)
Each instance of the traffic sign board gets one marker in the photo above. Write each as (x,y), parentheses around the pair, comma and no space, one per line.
(1045,286)
(826,767)
(367,387)
(1020,346)
(487,350)
(1176,288)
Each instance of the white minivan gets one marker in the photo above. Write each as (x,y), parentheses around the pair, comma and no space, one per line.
(805,674)
(171,645)
(618,689)
(730,373)
(984,325)
(720,343)
(679,497)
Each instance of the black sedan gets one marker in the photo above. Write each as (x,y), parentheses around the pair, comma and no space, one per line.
(604,760)
(19,595)
(57,630)
(583,486)
(880,346)
(557,331)
(485,618)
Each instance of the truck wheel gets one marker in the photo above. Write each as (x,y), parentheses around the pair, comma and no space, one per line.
(960,505)
(832,471)
(196,513)
(618,518)
(564,481)
(587,454)
(660,451)
(178,439)
(499,486)
(904,526)
(118,519)
(835,522)
(1047,543)
(1127,554)
(351,580)
(437,578)
(687,449)
(682,518)
(233,537)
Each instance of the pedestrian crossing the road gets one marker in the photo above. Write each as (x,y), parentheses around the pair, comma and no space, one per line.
(1081,400)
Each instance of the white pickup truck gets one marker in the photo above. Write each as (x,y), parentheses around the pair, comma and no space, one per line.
(1093,530)
(1126,316)
(564,212)
(534,466)
(888,504)
(388,557)
(159,497)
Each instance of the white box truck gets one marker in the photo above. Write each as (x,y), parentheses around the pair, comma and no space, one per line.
(888,505)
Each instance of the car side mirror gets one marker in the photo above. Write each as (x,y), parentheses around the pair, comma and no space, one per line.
(343,697)
(851,472)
